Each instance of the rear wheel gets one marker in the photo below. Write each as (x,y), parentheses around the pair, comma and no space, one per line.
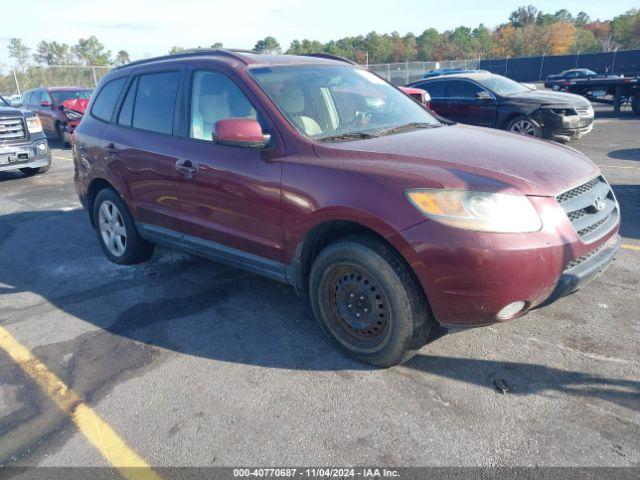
(368,302)
(117,233)
(525,126)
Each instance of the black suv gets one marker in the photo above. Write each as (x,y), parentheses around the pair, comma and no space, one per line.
(489,100)
(23,145)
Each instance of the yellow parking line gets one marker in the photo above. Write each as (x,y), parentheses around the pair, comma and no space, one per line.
(631,247)
(96,430)
(63,158)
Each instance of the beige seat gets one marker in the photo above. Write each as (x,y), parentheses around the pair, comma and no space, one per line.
(212,108)
(292,102)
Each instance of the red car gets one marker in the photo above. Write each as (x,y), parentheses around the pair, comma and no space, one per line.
(319,174)
(48,103)
(418,94)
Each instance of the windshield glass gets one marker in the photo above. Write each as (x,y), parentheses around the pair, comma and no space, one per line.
(3,102)
(325,102)
(64,95)
(502,85)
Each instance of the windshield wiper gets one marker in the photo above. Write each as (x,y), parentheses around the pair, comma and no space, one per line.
(347,136)
(407,126)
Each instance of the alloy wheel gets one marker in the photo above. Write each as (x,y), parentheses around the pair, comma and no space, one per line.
(525,127)
(112,229)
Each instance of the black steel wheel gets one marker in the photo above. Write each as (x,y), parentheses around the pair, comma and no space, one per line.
(367,300)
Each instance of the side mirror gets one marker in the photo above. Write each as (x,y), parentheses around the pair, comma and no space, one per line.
(45,103)
(239,132)
(483,95)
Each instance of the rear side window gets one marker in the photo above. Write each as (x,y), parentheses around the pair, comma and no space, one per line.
(434,88)
(106,100)
(155,101)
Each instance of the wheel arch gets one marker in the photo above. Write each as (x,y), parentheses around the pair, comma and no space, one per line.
(95,186)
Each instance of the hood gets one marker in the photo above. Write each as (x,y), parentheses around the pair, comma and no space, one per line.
(13,112)
(466,157)
(549,97)
(76,104)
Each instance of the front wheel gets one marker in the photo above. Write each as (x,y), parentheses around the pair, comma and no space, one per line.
(117,233)
(525,126)
(368,302)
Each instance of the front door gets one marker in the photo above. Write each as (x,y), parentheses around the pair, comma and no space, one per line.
(470,103)
(229,195)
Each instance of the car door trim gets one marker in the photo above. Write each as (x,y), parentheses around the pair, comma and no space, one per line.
(214,251)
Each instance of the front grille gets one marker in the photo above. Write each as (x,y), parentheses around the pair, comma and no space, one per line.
(11,128)
(591,208)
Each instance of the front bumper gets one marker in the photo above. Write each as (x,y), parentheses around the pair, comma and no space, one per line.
(24,155)
(565,127)
(468,277)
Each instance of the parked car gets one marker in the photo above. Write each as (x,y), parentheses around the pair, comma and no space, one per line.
(489,100)
(47,104)
(450,71)
(555,81)
(23,145)
(418,94)
(387,218)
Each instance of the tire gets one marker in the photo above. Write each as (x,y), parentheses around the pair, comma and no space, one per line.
(368,302)
(35,171)
(635,104)
(112,220)
(525,126)
(60,131)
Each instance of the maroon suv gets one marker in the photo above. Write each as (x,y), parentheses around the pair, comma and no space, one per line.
(320,174)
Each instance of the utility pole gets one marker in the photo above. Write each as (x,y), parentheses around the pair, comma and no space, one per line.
(15,78)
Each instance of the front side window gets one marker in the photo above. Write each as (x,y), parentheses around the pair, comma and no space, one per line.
(463,89)
(327,102)
(106,100)
(155,102)
(216,97)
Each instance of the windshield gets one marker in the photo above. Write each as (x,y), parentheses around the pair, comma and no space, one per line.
(3,102)
(502,85)
(64,95)
(328,102)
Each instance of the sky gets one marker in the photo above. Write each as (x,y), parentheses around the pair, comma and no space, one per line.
(147,28)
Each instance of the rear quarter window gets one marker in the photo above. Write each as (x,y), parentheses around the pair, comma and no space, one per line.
(435,88)
(106,100)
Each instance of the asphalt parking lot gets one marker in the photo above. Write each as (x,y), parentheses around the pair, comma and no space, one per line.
(193,363)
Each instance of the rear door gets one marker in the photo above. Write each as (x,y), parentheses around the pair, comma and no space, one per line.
(469,103)
(140,144)
(46,112)
(438,94)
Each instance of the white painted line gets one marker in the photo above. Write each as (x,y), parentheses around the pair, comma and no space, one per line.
(618,166)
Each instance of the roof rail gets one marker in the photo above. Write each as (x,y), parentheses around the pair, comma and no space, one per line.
(193,52)
(328,56)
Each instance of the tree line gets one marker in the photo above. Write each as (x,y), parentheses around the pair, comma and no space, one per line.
(527,32)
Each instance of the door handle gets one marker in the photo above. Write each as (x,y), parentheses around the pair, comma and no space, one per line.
(186,168)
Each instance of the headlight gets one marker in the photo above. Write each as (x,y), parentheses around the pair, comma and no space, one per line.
(480,211)
(34,125)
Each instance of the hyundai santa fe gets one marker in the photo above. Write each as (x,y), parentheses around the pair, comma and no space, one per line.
(315,172)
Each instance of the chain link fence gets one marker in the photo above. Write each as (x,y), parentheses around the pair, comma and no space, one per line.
(406,72)
(16,80)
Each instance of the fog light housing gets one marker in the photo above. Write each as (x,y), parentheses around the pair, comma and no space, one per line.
(41,147)
(511,310)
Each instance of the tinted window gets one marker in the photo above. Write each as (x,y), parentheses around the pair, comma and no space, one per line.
(106,100)
(215,97)
(126,112)
(435,89)
(44,96)
(462,89)
(35,97)
(27,98)
(155,102)
(64,95)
